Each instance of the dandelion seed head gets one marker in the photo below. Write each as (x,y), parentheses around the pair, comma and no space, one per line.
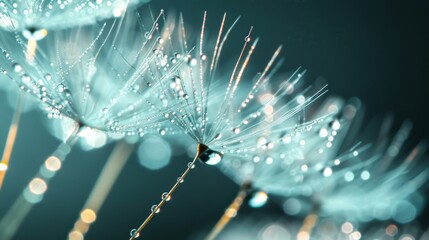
(218,108)
(367,182)
(275,227)
(33,17)
(97,79)
(298,159)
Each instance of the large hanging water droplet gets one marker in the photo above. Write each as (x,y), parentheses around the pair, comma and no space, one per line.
(211,157)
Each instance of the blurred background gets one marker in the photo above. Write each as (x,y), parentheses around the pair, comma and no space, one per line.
(376,51)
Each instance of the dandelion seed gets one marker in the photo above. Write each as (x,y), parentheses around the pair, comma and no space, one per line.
(216,113)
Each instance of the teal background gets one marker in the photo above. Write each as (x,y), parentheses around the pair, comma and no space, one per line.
(375,50)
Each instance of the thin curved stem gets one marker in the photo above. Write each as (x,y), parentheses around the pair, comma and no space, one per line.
(14,126)
(111,170)
(11,137)
(31,50)
(307,226)
(35,190)
(230,212)
(166,197)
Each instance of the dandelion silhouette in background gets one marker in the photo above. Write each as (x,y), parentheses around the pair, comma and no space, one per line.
(385,186)
(101,189)
(367,182)
(342,182)
(33,19)
(211,110)
(291,165)
(107,82)
(267,227)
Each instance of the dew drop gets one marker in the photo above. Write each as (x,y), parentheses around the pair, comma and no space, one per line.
(236,130)
(180,180)
(211,157)
(166,196)
(247,39)
(87,88)
(25,79)
(190,165)
(218,136)
(17,68)
(60,88)
(133,231)
(67,93)
(192,62)
(335,124)
(155,208)
(327,172)
(135,88)
(162,132)
(256,159)
(147,35)
(48,76)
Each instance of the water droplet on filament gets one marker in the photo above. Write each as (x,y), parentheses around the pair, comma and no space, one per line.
(155,209)
(166,196)
(211,157)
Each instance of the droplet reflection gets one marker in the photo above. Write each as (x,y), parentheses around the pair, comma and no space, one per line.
(211,157)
